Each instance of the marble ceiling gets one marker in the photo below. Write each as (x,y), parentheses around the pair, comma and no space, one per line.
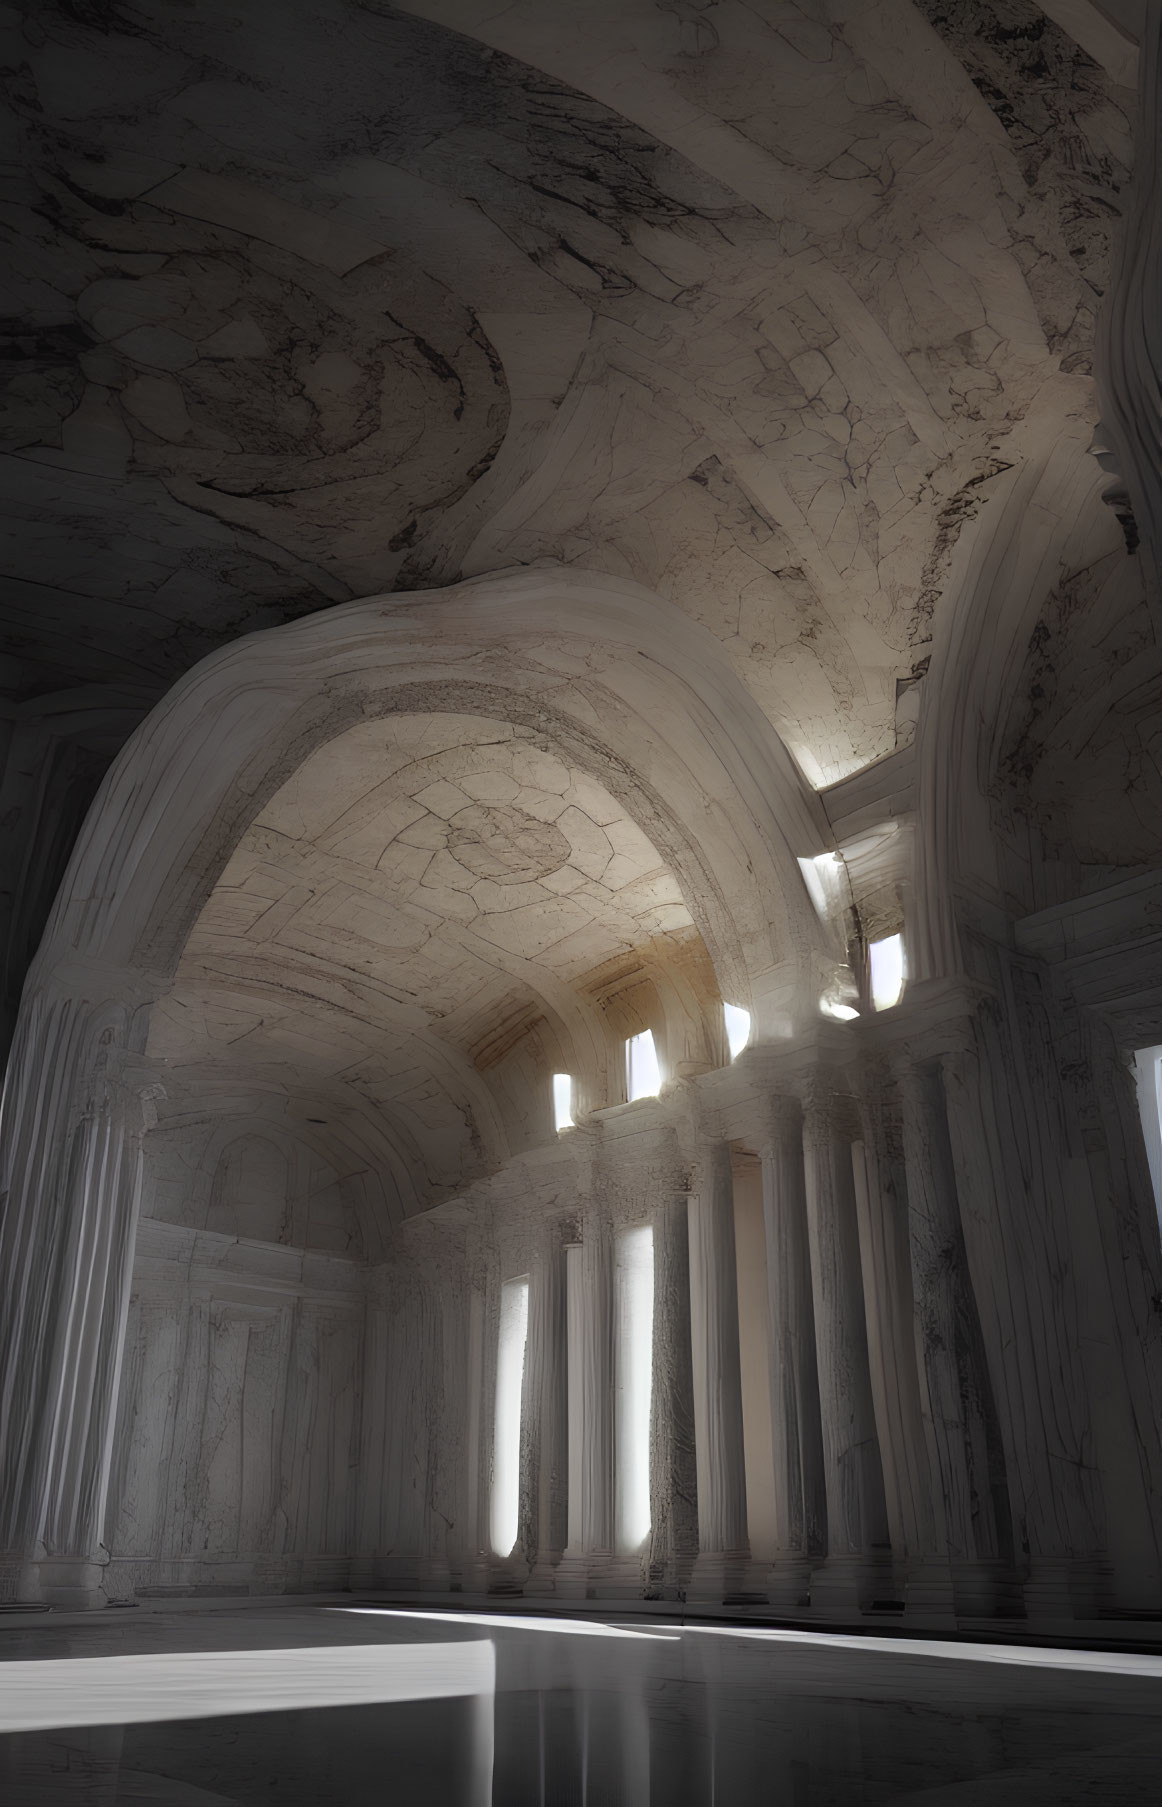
(743,301)
(429,913)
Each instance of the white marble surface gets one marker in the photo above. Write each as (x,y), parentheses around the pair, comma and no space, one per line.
(671,1713)
(702,396)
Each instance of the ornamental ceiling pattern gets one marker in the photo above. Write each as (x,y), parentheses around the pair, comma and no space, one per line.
(746,302)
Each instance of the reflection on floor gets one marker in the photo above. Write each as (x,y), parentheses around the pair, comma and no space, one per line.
(650,1713)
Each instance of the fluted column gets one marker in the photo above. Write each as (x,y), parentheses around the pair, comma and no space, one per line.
(796,1436)
(590,1550)
(856,1517)
(673,1476)
(1015,1228)
(71,1160)
(954,1386)
(914,1510)
(480,1392)
(723,1551)
(544,1453)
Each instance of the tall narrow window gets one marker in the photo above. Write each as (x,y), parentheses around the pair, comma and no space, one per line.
(563,1100)
(887,971)
(642,1074)
(1148,1062)
(510,1371)
(574,1312)
(633,1370)
(737,1028)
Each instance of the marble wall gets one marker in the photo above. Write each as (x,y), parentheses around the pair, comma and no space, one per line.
(238,1428)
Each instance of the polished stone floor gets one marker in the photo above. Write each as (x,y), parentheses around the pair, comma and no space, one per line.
(641,1713)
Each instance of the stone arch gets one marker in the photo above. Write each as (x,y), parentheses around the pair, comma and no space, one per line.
(639,695)
(638,690)
(1040,524)
(250,1190)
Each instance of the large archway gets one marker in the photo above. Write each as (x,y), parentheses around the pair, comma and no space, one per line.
(424,923)
(600,691)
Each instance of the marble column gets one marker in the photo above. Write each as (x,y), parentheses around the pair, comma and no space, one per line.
(915,1513)
(66,1253)
(1016,1227)
(796,1434)
(723,1559)
(857,1541)
(954,1387)
(673,1474)
(544,1452)
(480,1392)
(590,1343)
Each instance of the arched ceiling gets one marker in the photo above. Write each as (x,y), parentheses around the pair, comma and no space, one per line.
(741,301)
(430,917)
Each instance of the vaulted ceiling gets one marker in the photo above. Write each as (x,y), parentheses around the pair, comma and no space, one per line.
(748,301)
(743,301)
(427,919)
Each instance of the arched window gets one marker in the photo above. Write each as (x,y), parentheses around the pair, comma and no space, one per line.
(643,1076)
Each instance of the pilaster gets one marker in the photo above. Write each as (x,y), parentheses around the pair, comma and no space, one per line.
(857,1538)
(723,1564)
(955,1391)
(796,1432)
(544,1457)
(589,1556)
(673,1543)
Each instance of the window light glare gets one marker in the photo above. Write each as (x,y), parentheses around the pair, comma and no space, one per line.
(887,971)
(510,1371)
(843,1013)
(633,1364)
(737,1028)
(643,1076)
(563,1100)
(822,875)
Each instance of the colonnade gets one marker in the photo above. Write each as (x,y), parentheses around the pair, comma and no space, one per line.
(855,1360)
(956,1301)
(922,1305)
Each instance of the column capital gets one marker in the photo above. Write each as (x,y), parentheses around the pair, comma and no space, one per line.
(711,1167)
(906,1067)
(782,1124)
(828,1109)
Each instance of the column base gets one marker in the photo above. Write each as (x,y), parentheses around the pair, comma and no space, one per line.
(788,1584)
(1137,1596)
(1091,1586)
(69,1583)
(668,1577)
(624,1578)
(475,1574)
(543,1574)
(1077,1587)
(983,1590)
(582,1574)
(727,1575)
(1048,1590)
(503,1580)
(930,1593)
(844,1587)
